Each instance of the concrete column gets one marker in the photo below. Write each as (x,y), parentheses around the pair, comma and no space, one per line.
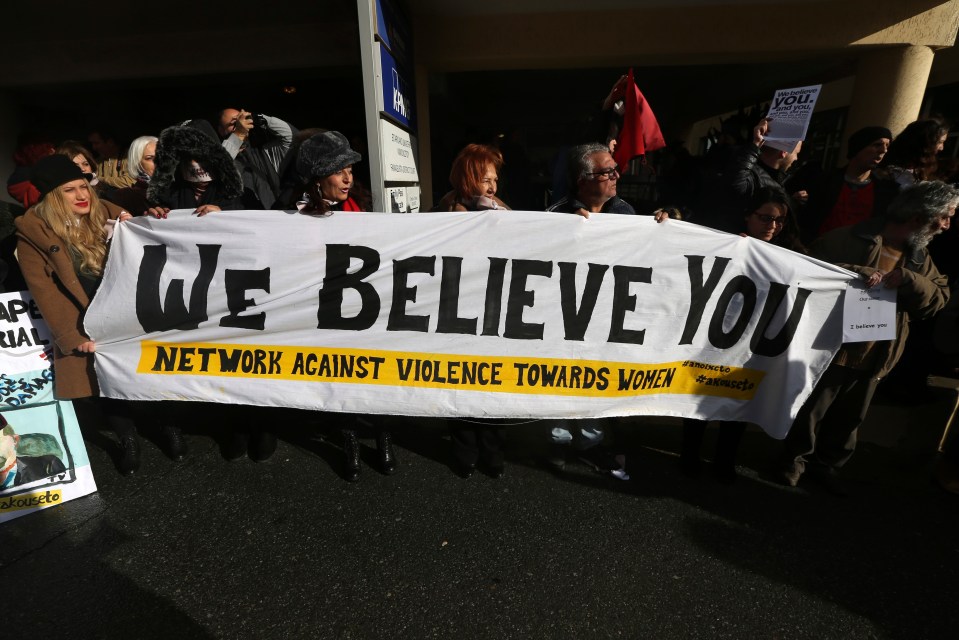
(890,84)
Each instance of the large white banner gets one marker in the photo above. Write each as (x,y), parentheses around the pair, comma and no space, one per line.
(495,314)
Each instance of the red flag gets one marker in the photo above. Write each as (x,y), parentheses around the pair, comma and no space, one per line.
(640,133)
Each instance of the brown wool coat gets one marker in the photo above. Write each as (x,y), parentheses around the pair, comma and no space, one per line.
(923,292)
(48,270)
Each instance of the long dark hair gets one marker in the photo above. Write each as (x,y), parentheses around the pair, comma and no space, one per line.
(788,236)
(915,147)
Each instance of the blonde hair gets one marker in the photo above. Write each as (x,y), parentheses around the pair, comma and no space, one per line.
(84,235)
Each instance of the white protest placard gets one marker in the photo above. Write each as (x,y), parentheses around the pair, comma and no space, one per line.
(25,342)
(496,314)
(868,314)
(43,461)
(790,113)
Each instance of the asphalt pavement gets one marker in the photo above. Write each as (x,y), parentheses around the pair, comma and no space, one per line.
(286,549)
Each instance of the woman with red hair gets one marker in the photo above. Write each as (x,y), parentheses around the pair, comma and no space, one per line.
(475,176)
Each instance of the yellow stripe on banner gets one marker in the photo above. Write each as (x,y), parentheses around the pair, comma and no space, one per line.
(551,376)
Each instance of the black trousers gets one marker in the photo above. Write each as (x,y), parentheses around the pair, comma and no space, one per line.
(730,435)
(825,429)
(477,440)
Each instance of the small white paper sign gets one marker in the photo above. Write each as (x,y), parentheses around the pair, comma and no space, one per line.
(790,113)
(868,314)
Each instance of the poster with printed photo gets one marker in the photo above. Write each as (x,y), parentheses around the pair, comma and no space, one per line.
(43,461)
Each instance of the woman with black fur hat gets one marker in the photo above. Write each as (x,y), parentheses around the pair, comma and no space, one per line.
(194,171)
(62,249)
(327,160)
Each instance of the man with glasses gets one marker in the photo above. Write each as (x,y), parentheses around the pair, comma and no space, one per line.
(592,177)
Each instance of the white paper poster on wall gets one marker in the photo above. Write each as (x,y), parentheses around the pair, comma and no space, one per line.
(403,199)
(399,153)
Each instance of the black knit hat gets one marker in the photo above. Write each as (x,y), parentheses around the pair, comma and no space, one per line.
(865,137)
(52,171)
(324,154)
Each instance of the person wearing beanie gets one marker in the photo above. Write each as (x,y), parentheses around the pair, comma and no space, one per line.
(62,249)
(326,161)
(83,158)
(853,193)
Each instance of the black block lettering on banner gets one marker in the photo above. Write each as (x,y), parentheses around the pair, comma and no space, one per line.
(772,347)
(399,320)
(337,279)
(745,287)
(700,293)
(449,320)
(624,301)
(237,283)
(520,297)
(493,307)
(173,313)
(576,321)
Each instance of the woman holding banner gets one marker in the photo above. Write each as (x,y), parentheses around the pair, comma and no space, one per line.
(475,176)
(62,249)
(327,159)
(191,170)
(769,221)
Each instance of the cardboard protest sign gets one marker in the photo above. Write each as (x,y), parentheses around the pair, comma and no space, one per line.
(790,113)
(493,314)
(43,461)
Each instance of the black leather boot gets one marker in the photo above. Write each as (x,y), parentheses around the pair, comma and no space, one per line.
(129,461)
(174,442)
(384,446)
(351,447)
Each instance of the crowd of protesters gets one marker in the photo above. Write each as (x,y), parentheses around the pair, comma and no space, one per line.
(876,216)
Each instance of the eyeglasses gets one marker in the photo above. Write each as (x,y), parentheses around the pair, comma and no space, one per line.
(766,219)
(605,174)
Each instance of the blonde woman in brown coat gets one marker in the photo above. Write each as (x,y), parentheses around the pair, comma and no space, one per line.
(62,250)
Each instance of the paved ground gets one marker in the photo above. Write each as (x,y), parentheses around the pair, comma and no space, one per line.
(286,549)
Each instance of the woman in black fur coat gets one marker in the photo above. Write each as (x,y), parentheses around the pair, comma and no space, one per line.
(194,171)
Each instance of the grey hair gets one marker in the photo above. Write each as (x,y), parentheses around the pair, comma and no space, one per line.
(580,162)
(925,200)
(135,153)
